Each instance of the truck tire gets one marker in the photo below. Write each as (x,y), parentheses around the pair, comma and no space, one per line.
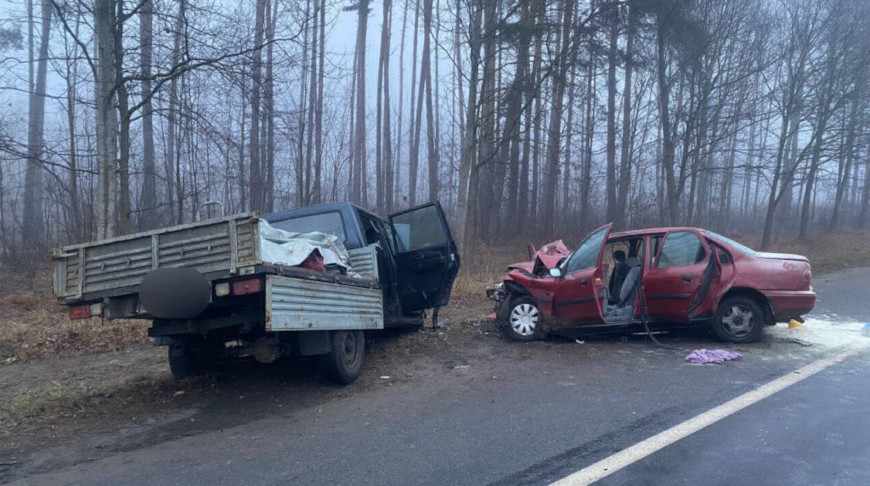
(524,319)
(738,319)
(344,362)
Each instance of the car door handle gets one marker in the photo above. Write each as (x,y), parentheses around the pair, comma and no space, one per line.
(688,277)
(584,281)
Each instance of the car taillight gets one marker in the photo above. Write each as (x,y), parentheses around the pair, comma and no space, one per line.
(808,276)
(246,287)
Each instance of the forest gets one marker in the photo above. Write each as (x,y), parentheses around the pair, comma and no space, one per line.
(525,118)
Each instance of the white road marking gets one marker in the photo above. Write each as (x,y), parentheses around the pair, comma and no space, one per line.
(630,455)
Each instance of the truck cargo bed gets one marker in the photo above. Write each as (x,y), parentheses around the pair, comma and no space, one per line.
(217,248)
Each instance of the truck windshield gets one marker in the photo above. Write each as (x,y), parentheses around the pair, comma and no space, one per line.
(330,223)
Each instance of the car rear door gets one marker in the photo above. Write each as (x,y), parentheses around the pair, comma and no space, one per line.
(578,293)
(679,277)
(425,255)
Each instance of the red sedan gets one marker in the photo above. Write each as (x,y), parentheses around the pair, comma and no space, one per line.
(653,278)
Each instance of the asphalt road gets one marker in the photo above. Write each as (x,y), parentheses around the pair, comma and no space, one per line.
(532,415)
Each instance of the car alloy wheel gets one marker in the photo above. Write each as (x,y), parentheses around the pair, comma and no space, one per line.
(738,320)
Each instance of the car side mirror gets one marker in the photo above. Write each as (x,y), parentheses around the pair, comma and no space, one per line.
(556,272)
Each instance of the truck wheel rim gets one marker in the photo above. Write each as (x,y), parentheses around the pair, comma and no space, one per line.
(738,320)
(349,353)
(524,319)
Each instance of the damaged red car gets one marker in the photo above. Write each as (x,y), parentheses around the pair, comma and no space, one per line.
(653,278)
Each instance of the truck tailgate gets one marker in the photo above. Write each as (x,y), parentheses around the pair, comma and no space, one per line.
(294,304)
(118,265)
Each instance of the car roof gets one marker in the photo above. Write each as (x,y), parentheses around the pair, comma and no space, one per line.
(652,231)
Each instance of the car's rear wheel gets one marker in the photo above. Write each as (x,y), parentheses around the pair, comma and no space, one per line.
(738,319)
(524,320)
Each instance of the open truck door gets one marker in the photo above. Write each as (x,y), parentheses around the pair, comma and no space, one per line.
(577,299)
(426,258)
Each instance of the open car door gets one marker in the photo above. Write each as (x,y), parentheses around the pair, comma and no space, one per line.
(579,292)
(426,258)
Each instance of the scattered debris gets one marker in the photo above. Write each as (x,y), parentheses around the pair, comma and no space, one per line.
(385,377)
(579,341)
(461,367)
(801,342)
(712,356)
(443,323)
(795,324)
(179,393)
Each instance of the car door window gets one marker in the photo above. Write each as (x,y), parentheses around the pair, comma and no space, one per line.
(681,248)
(421,228)
(587,255)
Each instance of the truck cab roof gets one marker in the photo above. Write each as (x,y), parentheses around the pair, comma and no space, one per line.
(339,218)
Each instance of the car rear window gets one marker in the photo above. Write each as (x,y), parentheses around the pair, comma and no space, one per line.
(737,246)
(330,223)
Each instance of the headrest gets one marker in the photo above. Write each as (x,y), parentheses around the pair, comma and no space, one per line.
(619,256)
(633,261)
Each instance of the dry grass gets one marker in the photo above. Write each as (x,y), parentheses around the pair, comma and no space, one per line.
(33,325)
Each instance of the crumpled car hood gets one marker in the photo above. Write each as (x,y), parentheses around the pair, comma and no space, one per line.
(547,257)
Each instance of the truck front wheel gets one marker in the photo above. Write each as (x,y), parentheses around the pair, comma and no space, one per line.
(345,359)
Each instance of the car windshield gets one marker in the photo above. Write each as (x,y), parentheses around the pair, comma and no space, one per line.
(742,248)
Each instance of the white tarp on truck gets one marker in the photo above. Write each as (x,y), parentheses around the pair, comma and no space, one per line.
(285,248)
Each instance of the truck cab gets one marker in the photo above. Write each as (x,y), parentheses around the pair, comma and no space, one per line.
(416,256)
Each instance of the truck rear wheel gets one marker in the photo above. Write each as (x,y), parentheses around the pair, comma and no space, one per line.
(345,359)
(191,357)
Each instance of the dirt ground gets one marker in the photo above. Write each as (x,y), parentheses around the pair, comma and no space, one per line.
(63,381)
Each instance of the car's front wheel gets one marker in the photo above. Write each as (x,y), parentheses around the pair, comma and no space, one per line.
(738,319)
(524,320)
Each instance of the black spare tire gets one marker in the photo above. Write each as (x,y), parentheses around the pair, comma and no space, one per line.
(174,293)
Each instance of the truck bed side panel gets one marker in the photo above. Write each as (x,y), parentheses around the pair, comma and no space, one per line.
(294,304)
(220,245)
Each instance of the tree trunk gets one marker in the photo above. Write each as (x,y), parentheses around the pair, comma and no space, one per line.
(148,216)
(430,118)
(469,151)
(625,154)
(269,98)
(301,181)
(518,90)
(358,191)
(106,118)
(256,174)
(551,174)
(413,152)
(612,61)
(316,192)
(33,234)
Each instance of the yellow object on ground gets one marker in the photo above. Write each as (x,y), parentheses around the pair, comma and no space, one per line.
(794,324)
